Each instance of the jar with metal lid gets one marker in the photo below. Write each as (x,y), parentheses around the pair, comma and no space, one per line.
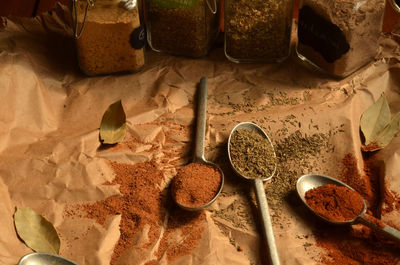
(339,37)
(109,36)
(182,27)
(258,30)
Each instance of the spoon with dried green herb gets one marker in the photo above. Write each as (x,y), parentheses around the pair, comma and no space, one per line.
(252,156)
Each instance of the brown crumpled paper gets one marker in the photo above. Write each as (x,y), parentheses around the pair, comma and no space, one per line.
(49,148)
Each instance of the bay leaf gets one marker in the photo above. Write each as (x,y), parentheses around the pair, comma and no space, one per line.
(375,119)
(113,124)
(385,136)
(37,233)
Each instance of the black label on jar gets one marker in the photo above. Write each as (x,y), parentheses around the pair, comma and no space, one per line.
(323,36)
(138,37)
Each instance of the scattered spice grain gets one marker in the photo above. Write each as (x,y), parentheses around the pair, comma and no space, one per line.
(335,203)
(294,153)
(196,184)
(141,203)
(252,154)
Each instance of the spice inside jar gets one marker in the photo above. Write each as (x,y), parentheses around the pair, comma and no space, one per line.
(187,28)
(339,37)
(257,30)
(112,38)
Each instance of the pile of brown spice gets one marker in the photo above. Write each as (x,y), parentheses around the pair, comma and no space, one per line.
(142,203)
(358,244)
(335,203)
(196,184)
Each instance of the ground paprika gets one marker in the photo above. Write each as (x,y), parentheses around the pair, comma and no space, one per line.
(335,203)
(196,184)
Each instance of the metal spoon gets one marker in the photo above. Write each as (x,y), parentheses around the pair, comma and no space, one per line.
(40,258)
(199,142)
(260,193)
(310,181)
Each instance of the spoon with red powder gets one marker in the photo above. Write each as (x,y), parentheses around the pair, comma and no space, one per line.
(338,203)
(198,184)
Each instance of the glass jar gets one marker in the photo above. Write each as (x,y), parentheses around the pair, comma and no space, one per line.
(182,27)
(257,30)
(396,5)
(109,36)
(339,36)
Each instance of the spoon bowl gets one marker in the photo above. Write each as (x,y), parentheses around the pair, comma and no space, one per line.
(260,131)
(199,143)
(41,258)
(268,231)
(311,181)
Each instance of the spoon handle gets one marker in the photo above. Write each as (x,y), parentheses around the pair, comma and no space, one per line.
(389,231)
(266,222)
(201,120)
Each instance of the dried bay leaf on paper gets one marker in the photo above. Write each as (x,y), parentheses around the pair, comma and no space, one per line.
(37,233)
(377,125)
(113,124)
(375,119)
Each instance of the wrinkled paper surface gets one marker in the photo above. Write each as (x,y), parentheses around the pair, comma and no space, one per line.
(50,115)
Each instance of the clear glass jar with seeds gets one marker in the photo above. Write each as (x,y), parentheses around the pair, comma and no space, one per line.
(109,36)
(182,27)
(258,30)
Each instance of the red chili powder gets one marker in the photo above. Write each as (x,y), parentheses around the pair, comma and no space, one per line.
(336,203)
(365,184)
(196,184)
(375,221)
(191,225)
(342,247)
(371,147)
(140,204)
(143,203)
(358,245)
(391,200)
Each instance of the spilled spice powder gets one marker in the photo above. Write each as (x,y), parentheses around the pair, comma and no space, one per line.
(362,183)
(391,200)
(191,226)
(196,184)
(371,147)
(357,244)
(375,221)
(141,204)
(341,248)
(335,203)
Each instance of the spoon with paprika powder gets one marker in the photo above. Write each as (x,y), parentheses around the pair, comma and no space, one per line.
(337,203)
(198,184)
